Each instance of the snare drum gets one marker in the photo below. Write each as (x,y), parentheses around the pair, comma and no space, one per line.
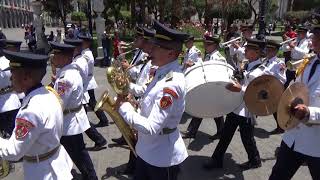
(206,95)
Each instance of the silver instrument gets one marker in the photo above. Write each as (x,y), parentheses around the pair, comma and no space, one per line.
(288,41)
(229,42)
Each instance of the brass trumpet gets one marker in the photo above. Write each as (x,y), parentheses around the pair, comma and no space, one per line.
(229,42)
(294,65)
(287,41)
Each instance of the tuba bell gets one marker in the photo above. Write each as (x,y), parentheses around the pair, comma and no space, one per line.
(119,81)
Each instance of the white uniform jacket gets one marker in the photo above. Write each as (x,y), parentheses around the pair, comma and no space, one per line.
(39,127)
(138,88)
(87,54)
(8,101)
(83,67)
(305,138)
(69,86)
(161,108)
(193,54)
(135,71)
(277,68)
(215,56)
(301,49)
(251,73)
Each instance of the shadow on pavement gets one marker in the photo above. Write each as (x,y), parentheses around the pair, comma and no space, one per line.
(199,142)
(114,172)
(192,169)
(261,133)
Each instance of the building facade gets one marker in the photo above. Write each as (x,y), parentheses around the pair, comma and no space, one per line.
(14,13)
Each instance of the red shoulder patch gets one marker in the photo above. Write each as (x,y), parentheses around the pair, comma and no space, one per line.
(170,92)
(23,127)
(63,87)
(165,102)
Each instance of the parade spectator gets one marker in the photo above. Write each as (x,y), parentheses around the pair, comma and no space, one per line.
(51,36)
(106,43)
(58,37)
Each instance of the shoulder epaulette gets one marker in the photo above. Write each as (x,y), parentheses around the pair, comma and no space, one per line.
(169,76)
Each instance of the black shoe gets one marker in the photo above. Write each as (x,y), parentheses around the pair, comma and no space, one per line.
(216,136)
(250,165)
(99,146)
(102,124)
(189,134)
(119,141)
(126,171)
(212,164)
(277,130)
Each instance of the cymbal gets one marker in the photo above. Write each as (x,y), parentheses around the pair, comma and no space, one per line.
(295,92)
(263,94)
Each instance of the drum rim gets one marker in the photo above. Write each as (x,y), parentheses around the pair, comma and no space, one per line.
(207,63)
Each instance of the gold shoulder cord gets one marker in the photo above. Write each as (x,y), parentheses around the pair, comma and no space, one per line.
(56,94)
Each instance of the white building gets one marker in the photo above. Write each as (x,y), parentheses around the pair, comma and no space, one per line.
(14,13)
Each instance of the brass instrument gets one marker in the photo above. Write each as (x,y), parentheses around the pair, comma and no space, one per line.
(229,42)
(288,41)
(294,65)
(119,81)
(4,168)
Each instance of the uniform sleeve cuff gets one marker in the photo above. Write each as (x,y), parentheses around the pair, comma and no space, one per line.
(125,108)
(313,114)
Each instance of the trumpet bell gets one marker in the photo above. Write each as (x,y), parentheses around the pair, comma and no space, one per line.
(106,104)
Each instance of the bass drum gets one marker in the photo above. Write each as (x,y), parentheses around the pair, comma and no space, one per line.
(206,95)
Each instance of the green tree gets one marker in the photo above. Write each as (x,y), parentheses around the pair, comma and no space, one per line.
(78,16)
(58,9)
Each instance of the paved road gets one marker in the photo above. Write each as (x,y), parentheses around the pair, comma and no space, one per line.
(113,157)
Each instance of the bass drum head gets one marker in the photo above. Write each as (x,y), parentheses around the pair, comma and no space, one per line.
(207,97)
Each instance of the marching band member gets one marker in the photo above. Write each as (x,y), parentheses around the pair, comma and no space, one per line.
(138,89)
(87,54)
(140,73)
(277,68)
(301,144)
(240,117)
(299,49)
(83,66)
(133,67)
(211,45)
(160,147)
(193,54)
(9,100)
(238,48)
(38,124)
(69,85)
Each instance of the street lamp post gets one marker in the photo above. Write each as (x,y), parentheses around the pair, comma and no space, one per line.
(38,22)
(98,7)
(262,23)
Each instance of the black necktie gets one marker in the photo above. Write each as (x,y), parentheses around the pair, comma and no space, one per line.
(246,66)
(313,68)
(136,57)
